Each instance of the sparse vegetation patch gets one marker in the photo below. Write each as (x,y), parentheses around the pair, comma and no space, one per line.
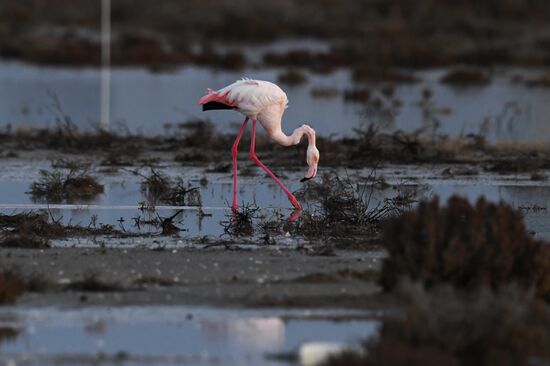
(484,245)
(70,184)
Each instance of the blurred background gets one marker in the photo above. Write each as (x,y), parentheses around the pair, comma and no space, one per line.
(444,67)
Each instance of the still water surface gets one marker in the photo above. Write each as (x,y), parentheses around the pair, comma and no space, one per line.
(170,335)
(145,101)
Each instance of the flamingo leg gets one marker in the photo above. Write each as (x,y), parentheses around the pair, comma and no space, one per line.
(253,156)
(234,154)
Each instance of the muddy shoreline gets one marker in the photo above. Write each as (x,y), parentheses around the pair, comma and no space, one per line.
(271,277)
(199,144)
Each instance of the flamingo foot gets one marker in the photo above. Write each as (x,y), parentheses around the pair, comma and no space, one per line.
(295,214)
(295,202)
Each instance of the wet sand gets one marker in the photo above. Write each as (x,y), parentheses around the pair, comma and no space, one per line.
(266,277)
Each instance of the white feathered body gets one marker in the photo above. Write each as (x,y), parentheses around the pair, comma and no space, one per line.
(259,100)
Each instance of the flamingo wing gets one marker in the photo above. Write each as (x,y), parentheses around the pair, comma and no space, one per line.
(248,96)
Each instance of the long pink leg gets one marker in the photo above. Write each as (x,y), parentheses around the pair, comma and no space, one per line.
(234,154)
(291,197)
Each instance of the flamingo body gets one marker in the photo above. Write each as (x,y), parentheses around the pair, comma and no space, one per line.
(265,102)
(258,100)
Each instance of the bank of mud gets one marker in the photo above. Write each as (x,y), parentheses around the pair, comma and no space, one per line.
(266,277)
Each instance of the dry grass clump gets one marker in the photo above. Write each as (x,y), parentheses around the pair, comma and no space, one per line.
(446,327)
(28,230)
(155,185)
(463,76)
(160,188)
(33,230)
(68,184)
(485,245)
(343,207)
(11,287)
(240,222)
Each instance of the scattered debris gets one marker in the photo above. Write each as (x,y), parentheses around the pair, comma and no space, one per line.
(28,230)
(167,224)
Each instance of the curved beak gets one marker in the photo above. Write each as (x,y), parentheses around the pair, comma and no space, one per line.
(311,172)
(312,161)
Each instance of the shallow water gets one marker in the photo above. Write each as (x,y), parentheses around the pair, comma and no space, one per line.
(145,101)
(120,205)
(171,335)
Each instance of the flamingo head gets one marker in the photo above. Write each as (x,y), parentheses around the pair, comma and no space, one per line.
(312,161)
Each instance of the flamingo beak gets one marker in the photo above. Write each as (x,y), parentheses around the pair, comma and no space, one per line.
(312,171)
(312,161)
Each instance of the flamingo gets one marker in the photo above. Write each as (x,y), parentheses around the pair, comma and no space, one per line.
(265,102)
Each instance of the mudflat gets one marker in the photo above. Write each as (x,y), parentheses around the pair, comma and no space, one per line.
(268,277)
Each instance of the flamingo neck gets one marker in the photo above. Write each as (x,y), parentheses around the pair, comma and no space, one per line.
(295,137)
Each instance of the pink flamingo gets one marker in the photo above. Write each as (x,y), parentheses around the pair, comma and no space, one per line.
(265,102)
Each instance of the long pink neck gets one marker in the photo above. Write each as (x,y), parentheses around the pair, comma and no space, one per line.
(294,139)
